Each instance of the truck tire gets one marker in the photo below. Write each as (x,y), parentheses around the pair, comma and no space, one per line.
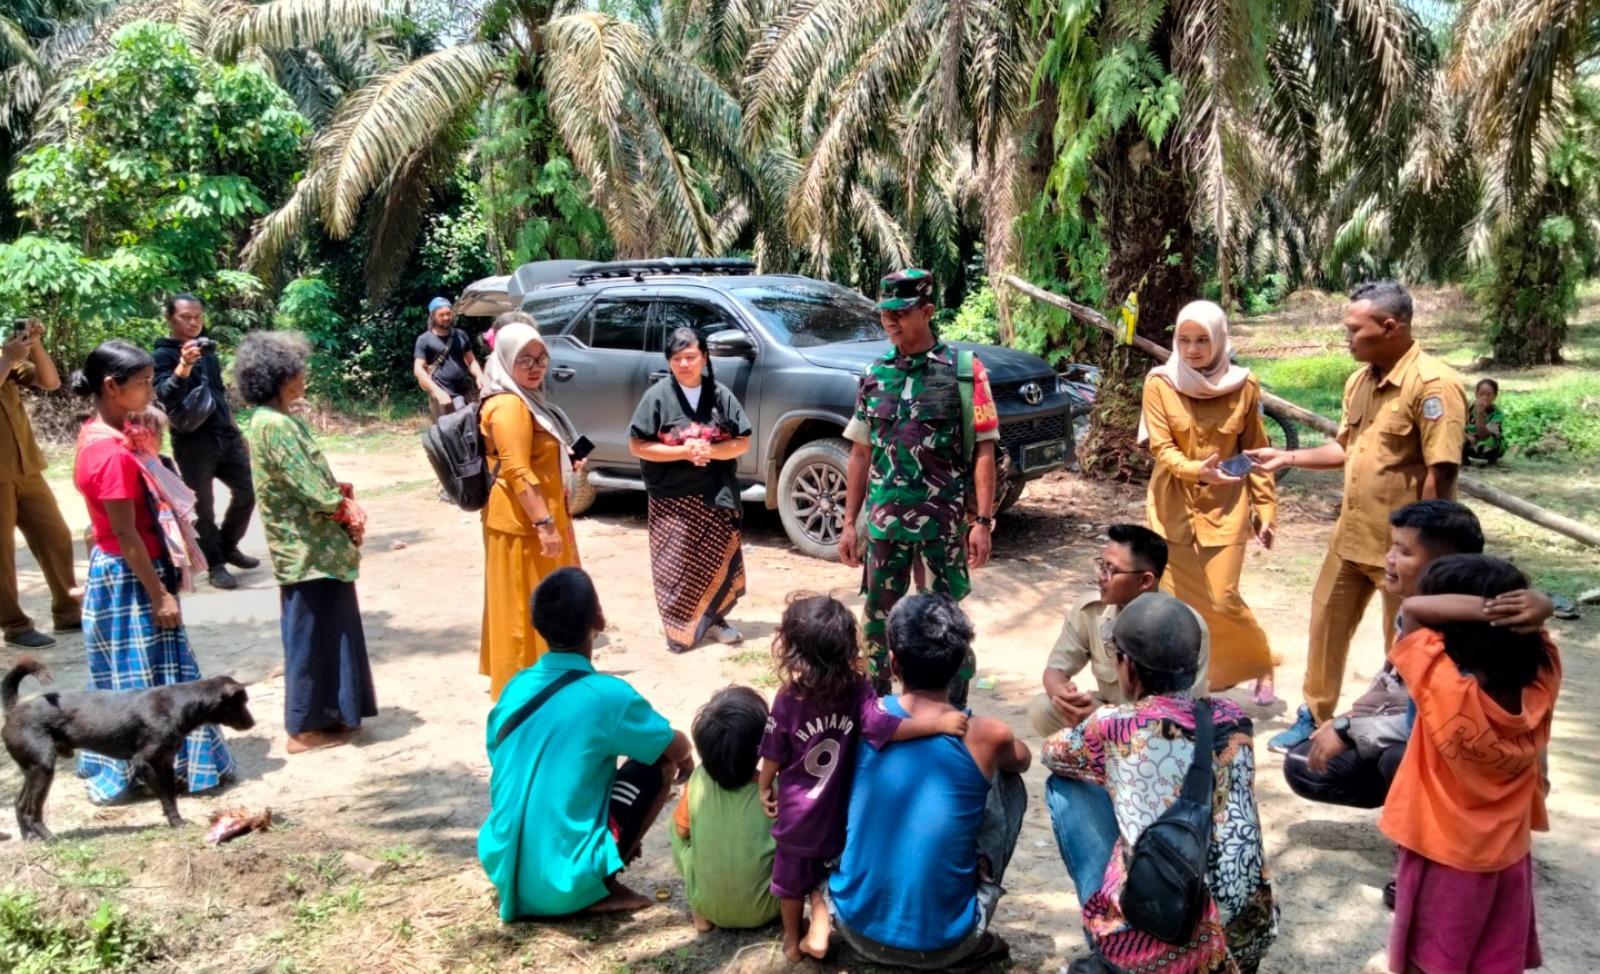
(1013,493)
(580,493)
(811,496)
(1284,434)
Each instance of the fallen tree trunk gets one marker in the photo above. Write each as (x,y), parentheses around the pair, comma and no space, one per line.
(1510,503)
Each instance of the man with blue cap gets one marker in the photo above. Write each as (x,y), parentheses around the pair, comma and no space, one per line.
(443,361)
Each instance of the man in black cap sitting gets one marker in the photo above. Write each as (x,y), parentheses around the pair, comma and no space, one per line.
(1140,751)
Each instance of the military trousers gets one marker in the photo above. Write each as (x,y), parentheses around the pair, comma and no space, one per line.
(886,577)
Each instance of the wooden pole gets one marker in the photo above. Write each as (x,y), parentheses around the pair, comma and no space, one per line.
(1510,503)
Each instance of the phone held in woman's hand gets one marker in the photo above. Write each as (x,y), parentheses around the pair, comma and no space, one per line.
(1236,466)
(581,447)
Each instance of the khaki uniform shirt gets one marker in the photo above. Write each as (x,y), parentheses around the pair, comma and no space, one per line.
(1085,640)
(19,452)
(1392,430)
(1185,431)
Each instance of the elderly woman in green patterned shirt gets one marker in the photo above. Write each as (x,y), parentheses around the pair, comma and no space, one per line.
(314,531)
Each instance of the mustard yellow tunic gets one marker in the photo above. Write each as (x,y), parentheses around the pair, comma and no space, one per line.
(529,457)
(1208,526)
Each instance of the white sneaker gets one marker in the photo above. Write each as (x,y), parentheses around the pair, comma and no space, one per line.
(726,635)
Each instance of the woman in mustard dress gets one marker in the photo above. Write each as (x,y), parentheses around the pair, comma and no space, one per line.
(1201,410)
(527,533)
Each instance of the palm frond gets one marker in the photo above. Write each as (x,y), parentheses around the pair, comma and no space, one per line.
(289,24)
(382,125)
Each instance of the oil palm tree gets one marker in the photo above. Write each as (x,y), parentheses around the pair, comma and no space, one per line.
(1175,117)
(1525,71)
(933,88)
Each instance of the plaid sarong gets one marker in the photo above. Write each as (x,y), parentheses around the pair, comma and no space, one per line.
(127,651)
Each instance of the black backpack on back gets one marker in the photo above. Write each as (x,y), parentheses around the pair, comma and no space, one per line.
(1165,892)
(455,447)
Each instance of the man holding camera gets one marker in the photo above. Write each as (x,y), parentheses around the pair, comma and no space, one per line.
(26,501)
(206,442)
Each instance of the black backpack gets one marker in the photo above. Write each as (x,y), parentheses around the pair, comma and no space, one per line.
(1165,892)
(455,447)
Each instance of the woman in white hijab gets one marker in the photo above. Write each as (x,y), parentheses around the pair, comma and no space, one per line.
(527,532)
(1200,411)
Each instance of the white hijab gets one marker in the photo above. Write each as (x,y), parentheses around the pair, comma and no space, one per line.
(1219,377)
(509,342)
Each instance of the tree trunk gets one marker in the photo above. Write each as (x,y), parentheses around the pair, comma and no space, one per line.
(1144,203)
(1535,284)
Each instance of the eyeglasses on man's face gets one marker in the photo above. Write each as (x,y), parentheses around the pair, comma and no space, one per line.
(1104,569)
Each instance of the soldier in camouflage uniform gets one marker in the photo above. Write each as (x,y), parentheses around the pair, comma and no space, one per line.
(908,465)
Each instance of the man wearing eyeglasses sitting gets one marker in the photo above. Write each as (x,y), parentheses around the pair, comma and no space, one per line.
(1130,565)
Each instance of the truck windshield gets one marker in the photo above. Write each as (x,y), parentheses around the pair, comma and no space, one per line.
(807,315)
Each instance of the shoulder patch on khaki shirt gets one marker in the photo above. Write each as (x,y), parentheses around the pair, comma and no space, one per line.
(1432,407)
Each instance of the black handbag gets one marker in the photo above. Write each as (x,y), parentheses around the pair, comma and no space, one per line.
(1165,891)
(195,407)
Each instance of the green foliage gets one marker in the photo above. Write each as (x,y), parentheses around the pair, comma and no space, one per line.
(1066,253)
(167,159)
(977,320)
(535,201)
(1313,381)
(32,942)
(1562,418)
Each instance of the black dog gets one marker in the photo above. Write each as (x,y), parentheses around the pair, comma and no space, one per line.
(143,727)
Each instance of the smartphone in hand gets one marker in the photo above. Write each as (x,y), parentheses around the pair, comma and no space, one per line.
(581,447)
(1236,466)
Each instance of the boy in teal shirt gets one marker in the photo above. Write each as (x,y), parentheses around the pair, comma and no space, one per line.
(564,819)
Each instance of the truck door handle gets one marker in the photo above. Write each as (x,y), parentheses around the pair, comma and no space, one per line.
(562,373)
(658,376)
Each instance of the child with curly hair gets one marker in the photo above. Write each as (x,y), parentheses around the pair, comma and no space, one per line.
(826,705)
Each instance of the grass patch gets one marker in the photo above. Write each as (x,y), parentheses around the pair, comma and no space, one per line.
(34,942)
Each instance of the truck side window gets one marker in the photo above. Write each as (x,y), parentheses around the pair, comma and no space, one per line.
(619,325)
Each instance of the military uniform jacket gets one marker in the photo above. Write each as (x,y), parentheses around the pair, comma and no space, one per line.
(1393,429)
(908,410)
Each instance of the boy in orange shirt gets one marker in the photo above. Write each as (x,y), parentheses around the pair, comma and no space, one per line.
(1468,796)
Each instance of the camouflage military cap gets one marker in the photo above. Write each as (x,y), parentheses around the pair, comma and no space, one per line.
(905,289)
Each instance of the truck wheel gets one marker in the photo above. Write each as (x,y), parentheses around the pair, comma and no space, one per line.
(811,496)
(1008,500)
(580,493)
(1283,434)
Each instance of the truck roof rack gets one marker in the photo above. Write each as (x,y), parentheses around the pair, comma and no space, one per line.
(640,269)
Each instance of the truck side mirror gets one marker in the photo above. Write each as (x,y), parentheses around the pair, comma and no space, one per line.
(731,343)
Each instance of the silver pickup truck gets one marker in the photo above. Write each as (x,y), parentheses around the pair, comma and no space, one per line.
(790,347)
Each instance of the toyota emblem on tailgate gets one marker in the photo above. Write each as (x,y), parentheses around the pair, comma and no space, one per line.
(1032,394)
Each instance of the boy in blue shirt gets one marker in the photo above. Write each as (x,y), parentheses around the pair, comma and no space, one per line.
(564,819)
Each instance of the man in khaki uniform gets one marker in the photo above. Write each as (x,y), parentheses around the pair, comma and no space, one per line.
(1400,435)
(1130,565)
(26,501)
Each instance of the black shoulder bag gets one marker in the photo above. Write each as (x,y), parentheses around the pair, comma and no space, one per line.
(1165,892)
(196,406)
(522,713)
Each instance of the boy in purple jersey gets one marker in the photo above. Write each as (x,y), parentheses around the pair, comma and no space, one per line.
(825,706)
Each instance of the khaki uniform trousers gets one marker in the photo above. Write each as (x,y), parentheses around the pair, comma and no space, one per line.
(1337,604)
(27,503)
(1207,579)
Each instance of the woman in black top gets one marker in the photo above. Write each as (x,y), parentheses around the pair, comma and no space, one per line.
(689,431)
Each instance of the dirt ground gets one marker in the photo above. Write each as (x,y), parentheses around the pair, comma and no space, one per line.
(373,865)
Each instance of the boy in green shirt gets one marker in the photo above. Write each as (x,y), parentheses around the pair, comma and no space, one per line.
(721,838)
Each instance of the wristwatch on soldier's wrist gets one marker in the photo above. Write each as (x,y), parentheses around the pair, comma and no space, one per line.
(984,520)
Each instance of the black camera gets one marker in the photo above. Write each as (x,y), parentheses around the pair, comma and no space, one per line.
(204,344)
